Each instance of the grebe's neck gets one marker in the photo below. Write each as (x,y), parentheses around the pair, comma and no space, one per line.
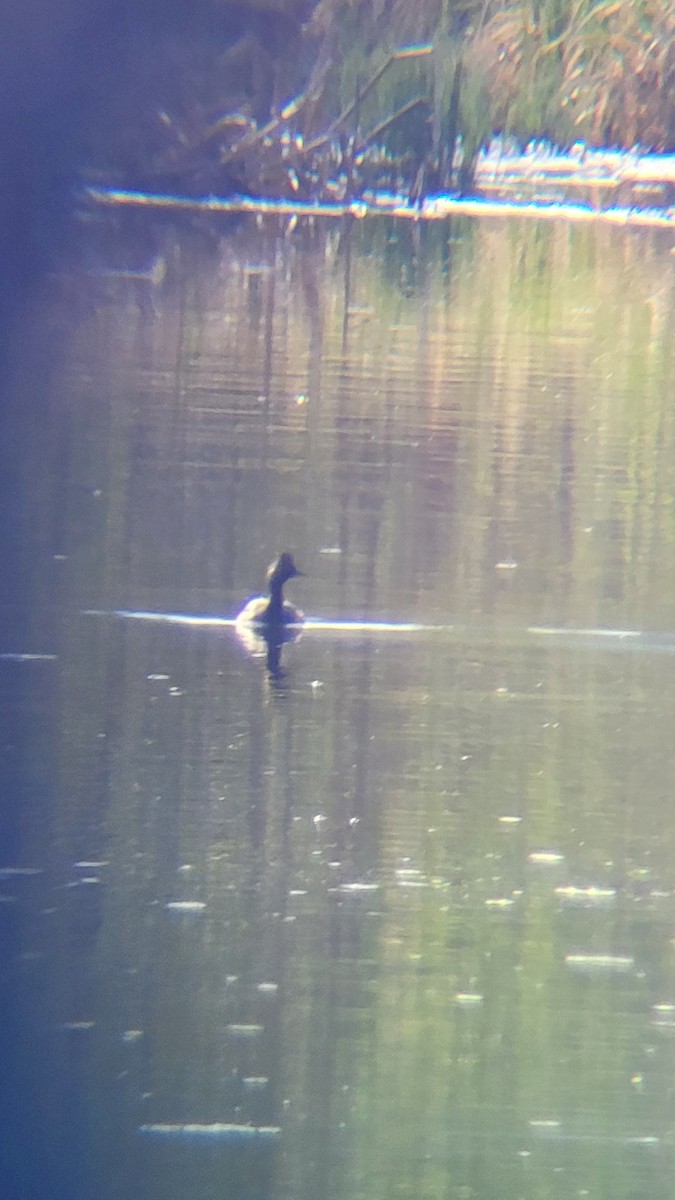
(275,607)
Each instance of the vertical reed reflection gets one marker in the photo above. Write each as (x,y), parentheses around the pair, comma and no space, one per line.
(349,905)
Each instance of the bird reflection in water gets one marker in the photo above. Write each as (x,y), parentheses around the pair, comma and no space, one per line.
(266,623)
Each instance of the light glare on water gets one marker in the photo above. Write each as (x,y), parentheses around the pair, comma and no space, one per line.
(395,919)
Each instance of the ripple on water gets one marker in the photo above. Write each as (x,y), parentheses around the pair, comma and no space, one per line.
(193,907)
(585,897)
(218,1130)
(600,964)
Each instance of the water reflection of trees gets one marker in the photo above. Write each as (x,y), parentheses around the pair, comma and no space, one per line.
(488,442)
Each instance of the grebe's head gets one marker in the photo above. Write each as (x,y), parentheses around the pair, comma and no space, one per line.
(282,569)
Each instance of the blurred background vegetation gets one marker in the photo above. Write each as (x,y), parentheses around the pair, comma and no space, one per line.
(297,96)
(216,95)
(177,85)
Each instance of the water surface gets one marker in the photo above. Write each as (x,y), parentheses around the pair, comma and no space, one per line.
(399,923)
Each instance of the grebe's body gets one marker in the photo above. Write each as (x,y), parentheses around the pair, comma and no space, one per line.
(272,612)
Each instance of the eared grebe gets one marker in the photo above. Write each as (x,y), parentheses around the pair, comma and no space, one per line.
(271,613)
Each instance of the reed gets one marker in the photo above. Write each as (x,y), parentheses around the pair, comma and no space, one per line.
(597,70)
(389,93)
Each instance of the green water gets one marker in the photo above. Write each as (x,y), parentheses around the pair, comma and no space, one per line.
(409,908)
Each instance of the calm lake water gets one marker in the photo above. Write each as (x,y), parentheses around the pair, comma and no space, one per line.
(400,924)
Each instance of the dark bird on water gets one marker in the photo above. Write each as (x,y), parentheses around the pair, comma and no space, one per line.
(272,612)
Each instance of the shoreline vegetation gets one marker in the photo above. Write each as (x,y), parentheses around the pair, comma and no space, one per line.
(327,101)
(322,101)
(618,189)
